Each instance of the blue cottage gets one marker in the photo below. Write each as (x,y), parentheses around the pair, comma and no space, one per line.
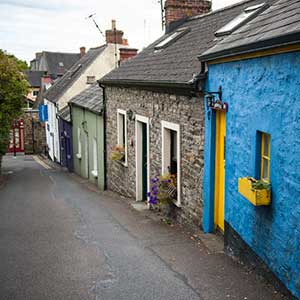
(252,146)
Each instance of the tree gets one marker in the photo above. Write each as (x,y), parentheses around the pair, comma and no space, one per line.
(13,89)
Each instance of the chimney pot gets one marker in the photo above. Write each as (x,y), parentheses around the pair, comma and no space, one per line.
(82,51)
(113,25)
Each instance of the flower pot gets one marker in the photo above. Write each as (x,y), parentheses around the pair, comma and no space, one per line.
(256,197)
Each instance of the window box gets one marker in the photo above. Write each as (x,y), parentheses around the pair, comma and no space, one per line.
(258,197)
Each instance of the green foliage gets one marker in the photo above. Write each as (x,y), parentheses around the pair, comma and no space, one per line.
(260,184)
(13,89)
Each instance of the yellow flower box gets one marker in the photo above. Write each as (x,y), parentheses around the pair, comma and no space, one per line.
(256,197)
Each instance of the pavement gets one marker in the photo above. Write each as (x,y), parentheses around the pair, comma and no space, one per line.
(61,238)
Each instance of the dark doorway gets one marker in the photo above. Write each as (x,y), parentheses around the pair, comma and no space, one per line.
(144,161)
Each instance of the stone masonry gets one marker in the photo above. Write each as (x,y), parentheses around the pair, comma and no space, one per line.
(34,132)
(184,110)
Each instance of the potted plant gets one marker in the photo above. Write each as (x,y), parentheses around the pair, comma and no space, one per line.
(118,153)
(258,192)
(163,191)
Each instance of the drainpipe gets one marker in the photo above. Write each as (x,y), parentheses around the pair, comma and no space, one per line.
(104,133)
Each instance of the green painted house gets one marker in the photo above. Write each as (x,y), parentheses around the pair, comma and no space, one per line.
(88,135)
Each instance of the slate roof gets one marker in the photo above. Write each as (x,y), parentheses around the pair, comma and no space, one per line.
(60,86)
(54,63)
(278,25)
(90,99)
(178,62)
(54,59)
(65,114)
(34,78)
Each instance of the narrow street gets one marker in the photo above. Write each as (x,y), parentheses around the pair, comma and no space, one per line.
(62,239)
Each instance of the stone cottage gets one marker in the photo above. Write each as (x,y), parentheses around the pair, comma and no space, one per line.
(258,68)
(154,107)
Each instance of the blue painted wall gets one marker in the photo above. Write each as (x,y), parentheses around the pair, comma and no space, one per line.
(263,95)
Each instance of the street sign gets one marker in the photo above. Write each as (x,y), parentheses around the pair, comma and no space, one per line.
(43,113)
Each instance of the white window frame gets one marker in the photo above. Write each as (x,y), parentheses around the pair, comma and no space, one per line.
(165,127)
(120,132)
(95,158)
(138,158)
(79,152)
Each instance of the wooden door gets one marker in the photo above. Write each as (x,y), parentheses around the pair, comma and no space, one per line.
(220,170)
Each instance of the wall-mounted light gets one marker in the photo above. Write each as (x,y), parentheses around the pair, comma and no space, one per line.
(214,101)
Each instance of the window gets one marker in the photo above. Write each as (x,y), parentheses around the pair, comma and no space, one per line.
(90,79)
(79,143)
(265,156)
(95,158)
(35,93)
(172,38)
(122,131)
(247,15)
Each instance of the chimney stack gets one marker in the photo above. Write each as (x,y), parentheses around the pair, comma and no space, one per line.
(82,51)
(127,53)
(176,10)
(114,36)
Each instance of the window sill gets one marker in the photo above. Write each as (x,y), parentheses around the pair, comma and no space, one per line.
(78,155)
(95,173)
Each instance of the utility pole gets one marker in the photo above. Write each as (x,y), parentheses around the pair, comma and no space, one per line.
(162,14)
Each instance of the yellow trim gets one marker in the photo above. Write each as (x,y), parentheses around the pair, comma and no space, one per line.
(220,169)
(274,51)
(265,157)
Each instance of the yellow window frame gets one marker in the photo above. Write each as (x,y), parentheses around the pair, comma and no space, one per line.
(265,138)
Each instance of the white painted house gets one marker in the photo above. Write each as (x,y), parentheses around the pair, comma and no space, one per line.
(92,66)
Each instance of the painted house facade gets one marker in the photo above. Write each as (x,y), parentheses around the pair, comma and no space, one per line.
(88,135)
(154,108)
(259,74)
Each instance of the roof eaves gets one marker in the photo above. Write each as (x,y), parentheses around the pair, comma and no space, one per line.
(281,41)
(87,108)
(146,83)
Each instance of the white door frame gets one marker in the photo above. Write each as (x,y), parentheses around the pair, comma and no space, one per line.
(138,155)
(166,140)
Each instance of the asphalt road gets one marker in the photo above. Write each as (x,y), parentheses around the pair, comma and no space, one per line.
(62,239)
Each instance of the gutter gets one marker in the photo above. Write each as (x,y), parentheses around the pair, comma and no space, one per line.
(186,87)
(104,133)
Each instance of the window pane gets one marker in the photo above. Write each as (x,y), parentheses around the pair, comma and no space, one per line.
(265,169)
(266,138)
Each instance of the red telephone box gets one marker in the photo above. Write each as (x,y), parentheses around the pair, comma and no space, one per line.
(16,143)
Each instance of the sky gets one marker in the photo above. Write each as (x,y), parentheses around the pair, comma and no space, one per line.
(30,26)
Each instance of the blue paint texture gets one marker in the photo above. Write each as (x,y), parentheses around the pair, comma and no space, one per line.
(263,95)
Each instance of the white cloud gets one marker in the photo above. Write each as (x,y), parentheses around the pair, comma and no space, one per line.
(30,26)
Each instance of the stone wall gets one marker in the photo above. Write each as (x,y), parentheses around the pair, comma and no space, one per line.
(183,110)
(34,132)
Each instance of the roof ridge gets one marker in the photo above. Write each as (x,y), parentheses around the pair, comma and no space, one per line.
(221,10)
(55,52)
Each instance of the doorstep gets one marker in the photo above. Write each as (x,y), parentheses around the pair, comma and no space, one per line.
(214,243)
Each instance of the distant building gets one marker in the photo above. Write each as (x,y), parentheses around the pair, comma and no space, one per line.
(92,66)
